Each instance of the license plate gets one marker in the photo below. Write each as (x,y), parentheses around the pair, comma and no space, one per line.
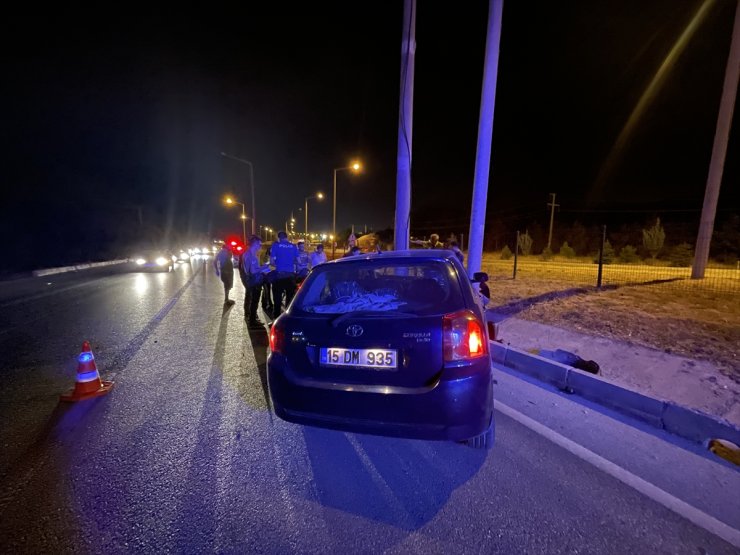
(361,358)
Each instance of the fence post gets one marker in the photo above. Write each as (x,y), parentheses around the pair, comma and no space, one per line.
(516,254)
(601,257)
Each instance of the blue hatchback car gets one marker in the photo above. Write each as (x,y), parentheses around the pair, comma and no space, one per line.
(391,344)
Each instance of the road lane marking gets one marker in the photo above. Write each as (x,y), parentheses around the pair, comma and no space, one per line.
(122,358)
(681,508)
(385,490)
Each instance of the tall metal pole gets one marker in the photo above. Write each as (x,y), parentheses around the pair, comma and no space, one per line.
(485,133)
(244,225)
(719,152)
(552,206)
(251,183)
(254,206)
(405,120)
(305,224)
(334,218)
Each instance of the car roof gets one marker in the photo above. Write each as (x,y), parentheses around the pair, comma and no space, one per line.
(416,254)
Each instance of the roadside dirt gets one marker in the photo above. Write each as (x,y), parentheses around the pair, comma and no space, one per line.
(683,320)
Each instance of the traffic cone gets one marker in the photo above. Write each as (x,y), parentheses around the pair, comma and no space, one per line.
(88,383)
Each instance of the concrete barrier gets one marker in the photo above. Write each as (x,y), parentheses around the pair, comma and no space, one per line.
(78,267)
(690,424)
(540,368)
(614,396)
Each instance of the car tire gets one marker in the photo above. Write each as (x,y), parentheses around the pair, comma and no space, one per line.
(484,440)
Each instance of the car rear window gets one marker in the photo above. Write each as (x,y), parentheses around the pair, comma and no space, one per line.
(417,287)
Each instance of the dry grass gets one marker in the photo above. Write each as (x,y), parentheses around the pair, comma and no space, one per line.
(686,320)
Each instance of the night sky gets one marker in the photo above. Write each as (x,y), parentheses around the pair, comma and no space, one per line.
(109,114)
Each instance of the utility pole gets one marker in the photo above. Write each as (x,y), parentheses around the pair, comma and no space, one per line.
(719,153)
(485,134)
(552,206)
(405,120)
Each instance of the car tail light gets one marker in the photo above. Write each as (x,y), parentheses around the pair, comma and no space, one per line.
(277,339)
(464,337)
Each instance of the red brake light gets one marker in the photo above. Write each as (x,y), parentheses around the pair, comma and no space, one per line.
(464,338)
(276,339)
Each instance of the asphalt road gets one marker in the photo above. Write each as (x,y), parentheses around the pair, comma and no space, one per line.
(185,455)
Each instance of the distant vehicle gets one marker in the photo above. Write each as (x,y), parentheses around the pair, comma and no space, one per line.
(155,260)
(391,344)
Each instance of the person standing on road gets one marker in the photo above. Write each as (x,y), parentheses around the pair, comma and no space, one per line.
(318,256)
(254,277)
(267,285)
(301,262)
(283,256)
(224,266)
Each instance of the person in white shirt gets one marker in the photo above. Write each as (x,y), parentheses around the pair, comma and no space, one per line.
(318,256)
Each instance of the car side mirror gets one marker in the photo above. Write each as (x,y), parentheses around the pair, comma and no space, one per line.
(480,276)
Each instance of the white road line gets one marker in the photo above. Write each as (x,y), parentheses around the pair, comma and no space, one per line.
(690,513)
(385,490)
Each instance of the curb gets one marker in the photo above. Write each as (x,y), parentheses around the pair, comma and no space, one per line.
(687,423)
(77,267)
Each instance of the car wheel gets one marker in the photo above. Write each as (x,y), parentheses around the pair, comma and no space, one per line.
(484,440)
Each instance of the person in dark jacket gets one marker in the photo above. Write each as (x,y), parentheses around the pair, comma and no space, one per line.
(253,277)
(283,255)
(224,267)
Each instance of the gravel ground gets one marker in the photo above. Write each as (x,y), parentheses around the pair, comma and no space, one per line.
(685,321)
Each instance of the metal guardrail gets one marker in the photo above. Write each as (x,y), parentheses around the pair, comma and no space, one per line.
(77,267)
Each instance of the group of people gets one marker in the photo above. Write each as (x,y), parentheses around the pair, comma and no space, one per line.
(273,278)
(270,279)
(435,243)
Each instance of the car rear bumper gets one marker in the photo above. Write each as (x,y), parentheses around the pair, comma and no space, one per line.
(450,409)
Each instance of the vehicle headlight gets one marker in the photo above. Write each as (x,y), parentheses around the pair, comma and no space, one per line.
(140,261)
(183,256)
(196,250)
(161,261)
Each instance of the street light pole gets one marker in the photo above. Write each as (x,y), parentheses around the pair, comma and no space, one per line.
(334,216)
(305,224)
(251,183)
(354,167)
(230,201)
(244,225)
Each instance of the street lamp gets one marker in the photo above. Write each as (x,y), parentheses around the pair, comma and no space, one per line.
(251,183)
(319,196)
(355,167)
(231,202)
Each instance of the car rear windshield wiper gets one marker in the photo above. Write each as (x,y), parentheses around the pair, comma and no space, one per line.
(358,313)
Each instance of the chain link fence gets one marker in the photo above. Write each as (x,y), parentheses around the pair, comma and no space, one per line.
(606,268)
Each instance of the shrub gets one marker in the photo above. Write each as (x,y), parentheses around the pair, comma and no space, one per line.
(506,253)
(525,243)
(608,256)
(628,254)
(567,251)
(681,255)
(546,254)
(653,239)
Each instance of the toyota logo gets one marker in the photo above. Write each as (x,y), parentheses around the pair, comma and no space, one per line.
(355,330)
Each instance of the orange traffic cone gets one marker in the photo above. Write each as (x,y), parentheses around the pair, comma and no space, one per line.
(88,382)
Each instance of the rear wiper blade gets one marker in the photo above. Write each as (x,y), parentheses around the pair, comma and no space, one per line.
(358,313)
